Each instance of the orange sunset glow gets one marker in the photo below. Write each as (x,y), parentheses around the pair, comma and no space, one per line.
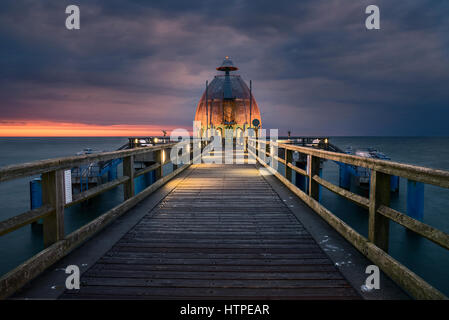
(57,129)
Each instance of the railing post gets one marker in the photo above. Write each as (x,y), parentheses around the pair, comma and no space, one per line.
(379,226)
(191,153)
(313,169)
(128,170)
(175,166)
(267,150)
(256,147)
(158,156)
(288,159)
(53,195)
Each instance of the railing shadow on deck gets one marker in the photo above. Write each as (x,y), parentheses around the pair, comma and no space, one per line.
(56,243)
(375,248)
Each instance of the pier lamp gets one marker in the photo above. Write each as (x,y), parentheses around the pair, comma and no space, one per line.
(155,140)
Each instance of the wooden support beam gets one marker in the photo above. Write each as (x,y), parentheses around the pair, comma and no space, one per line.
(148,169)
(298,170)
(313,169)
(288,159)
(158,158)
(53,196)
(128,170)
(23,219)
(439,237)
(95,191)
(379,225)
(355,198)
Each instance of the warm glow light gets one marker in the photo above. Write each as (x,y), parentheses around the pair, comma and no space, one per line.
(163,156)
(58,129)
(156,140)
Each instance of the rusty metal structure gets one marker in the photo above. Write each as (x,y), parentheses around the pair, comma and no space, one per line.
(228,103)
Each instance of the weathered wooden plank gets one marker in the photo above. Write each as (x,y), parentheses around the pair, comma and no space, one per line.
(233,293)
(327,267)
(309,253)
(439,237)
(152,283)
(95,191)
(298,170)
(212,250)
(132,238)
(355,198)
(216,261)
(23,219)
(143,274)
(147,169)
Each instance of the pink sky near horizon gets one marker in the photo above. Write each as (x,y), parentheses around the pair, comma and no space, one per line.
(65,129)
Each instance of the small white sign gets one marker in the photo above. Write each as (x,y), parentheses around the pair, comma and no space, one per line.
(309,164)
(68,186)
(296,156)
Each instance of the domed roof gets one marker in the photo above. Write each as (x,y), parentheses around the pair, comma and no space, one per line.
(229,101)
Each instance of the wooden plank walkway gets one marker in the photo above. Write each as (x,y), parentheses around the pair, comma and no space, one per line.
(222,233)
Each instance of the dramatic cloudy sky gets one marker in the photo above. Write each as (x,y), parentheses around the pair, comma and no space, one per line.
(140,65)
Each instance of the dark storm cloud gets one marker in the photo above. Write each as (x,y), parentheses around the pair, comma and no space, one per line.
(316,69)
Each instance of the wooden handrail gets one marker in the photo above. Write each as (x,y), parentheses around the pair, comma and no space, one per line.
(420,174)
(37,167)
(439,237)
(95,191)
(376,247)
(52,211)
(357,199)
(23,219)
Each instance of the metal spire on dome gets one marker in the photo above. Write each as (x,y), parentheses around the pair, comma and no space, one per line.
(227,65)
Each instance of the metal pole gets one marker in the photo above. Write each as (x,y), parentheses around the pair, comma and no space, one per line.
(222,108)
(210,114)
(207,107)
(250,101)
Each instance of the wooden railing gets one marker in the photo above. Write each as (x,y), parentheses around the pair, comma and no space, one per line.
(375,247)
(56,243)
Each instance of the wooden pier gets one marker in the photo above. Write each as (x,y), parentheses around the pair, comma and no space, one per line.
(222,232)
